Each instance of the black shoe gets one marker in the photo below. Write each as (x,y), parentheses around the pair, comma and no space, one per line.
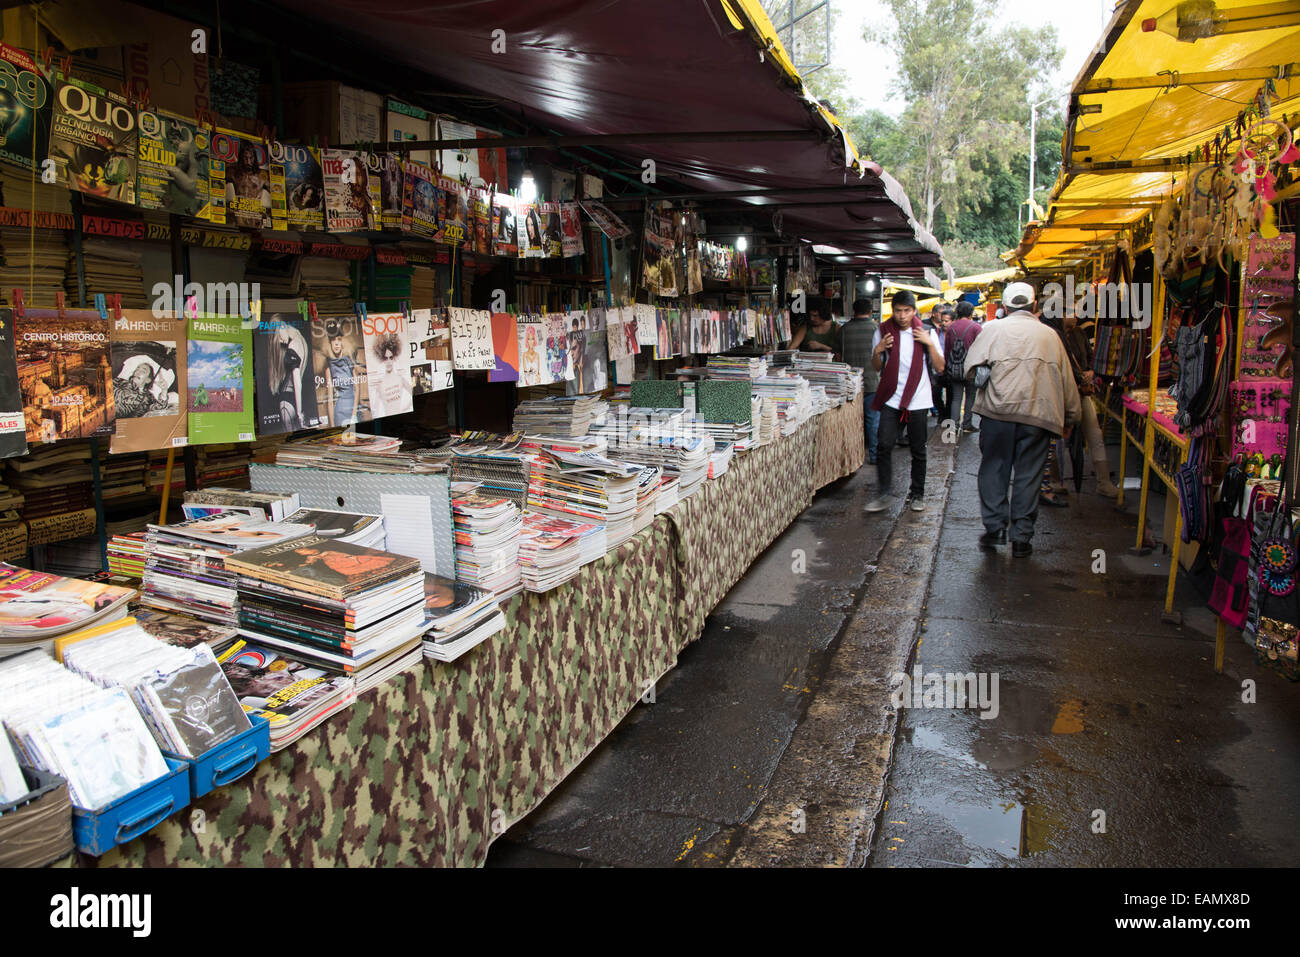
(1021,549)
(989,540)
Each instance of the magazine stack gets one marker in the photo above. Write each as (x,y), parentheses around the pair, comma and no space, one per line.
(355,528)
(586,488)
(292,696)
(40,606)
(185,569)
(487,530)
(329,603)
(558,415)
(551,550)
(458,616)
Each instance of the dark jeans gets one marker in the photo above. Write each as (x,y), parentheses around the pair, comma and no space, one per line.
(956,412)
(1014,456)
(917,434)
(870,425)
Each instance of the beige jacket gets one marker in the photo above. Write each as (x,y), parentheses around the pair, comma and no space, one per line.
(1030,379)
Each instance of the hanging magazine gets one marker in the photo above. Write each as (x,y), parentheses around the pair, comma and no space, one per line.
(420,200)
(386,170)
(532,351)
(67,384)
(26,138)
(571,230)
(351,204)
(282,364)
(505,348)
(453,212)
(148,360)
(172,172)
(339,370)
(471,339)
(552,231)
(504,241)
(219,374)
(479,239)
(93,141)
(528,220)
(388,363)
(297,187)
(13,429)
(429,337)
(239,164)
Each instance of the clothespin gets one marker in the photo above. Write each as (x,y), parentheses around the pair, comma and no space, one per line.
(302,311)
(18,303)
(101,305)
(116,303)
(60,302)
(192,307)
(360,310)
(311,311)
(404,307)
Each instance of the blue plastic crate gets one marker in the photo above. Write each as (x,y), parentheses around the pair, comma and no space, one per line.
(96,832)
(230,761)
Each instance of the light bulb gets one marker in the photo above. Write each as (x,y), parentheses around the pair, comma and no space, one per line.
(528,187)
(742,244)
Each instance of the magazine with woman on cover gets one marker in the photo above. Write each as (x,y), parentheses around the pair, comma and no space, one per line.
(339,370)
(286,396)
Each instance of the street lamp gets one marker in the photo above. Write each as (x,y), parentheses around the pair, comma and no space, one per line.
(1033,150)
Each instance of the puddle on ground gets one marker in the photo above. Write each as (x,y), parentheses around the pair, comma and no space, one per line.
(999,827)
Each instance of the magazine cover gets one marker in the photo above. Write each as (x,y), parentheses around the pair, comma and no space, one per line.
(297,187)
(219,380)
(660,268)
(282,367)
(237,530)
(552,231)
(528,222)
(38,603)
(444,598)
(607,221)
(571,230)
(13,426)
(471,338)
(172,165)
(532,350)
(453,211)
(242,162)
(64,374)
(324,566)
(25,139)
(148,360)
(275,687)
(331,524)
(93,141)
(430,342)
(351,204)
(339,370)
(504,242)
(388,363)
(420,200)
(576,329)
(559,368)
(595,368)
(386,170)
(181,631)
(505,348)
(481,210)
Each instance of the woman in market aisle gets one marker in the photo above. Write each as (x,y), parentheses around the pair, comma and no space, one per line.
(819,334)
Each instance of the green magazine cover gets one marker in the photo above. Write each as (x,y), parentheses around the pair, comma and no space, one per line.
(220,365)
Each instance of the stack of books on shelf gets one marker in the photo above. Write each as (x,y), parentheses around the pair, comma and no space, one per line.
(487,530)
(551,550)
(224,466)
(34,269)
(122,476)
(110,268)
(185,564)
(156,474)
(328,283)
(58,491)
(458,616)
(585,487)
(558,415)
(344,607)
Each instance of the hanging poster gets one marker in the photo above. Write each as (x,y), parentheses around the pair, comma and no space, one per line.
(559,368)
(297,187)
(505,348)
(606,221)
(471,339)
(93,141)
(571,230)
(615,336)
(64,374)
(663,335)
(244,164)
(148,359)
(388,363)
(504,242)
(646,330)
(552,231)
(283,364)
(350,204)
(339,370)
(172,167)
(13,429)
(630,330)
(531,332)
(386,170)
(660,268)
(26,109)
(430,345)
(419,200)
(529,223)
(219,380)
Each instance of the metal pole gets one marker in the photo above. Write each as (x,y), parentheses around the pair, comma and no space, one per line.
(1033,156)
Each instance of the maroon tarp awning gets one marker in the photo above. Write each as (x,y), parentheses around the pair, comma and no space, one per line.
(646,66)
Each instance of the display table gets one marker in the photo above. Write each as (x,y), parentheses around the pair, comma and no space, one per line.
(430,767)
(841,443)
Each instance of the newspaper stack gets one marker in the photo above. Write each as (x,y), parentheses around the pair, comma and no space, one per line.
(487,530)
(458,616)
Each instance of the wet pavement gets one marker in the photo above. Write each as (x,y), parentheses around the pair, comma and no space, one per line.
(774,740)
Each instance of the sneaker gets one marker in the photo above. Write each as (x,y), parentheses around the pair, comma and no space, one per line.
(880,503)
(1021,549)
(917,504)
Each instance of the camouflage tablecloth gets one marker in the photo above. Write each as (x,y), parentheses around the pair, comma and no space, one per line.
(841,445)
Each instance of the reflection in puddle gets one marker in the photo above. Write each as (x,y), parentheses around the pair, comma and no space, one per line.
(999,828)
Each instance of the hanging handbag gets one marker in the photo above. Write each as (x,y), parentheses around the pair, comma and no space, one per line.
(1230,596)
(1276,640)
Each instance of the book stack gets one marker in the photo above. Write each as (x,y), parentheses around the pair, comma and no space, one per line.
(110,268)
(223,466)
(558,415)
(341,606)
(355,528)
(458,617)
(585,487)
(551,550)
(487,530)
(185,564)
(35,268)
(328,283)
(292,696)
(41,606)
(121,476)
(181,693)
(155,475)
(272,506)
(92,737)
(58,491)
(22,190)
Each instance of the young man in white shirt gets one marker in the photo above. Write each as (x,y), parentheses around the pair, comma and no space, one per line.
(903,398)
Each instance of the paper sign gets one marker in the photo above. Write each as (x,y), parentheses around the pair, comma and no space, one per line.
(471,339)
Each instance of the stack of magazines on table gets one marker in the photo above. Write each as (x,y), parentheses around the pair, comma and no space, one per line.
(487,530)
(458,616)
(551,550)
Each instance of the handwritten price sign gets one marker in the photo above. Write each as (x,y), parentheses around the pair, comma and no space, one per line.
(471,339)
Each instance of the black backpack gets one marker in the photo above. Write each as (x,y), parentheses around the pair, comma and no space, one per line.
(955,366)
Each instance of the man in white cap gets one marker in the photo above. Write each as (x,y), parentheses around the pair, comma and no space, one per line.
(1029,399)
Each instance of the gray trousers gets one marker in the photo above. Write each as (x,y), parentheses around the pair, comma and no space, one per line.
(1014,456)
(960,391)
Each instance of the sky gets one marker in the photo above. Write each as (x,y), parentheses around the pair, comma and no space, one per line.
(1078,24)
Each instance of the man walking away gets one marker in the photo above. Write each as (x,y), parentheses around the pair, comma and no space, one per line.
(900,351)
(1030,399)
(960,336)
(856,340)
